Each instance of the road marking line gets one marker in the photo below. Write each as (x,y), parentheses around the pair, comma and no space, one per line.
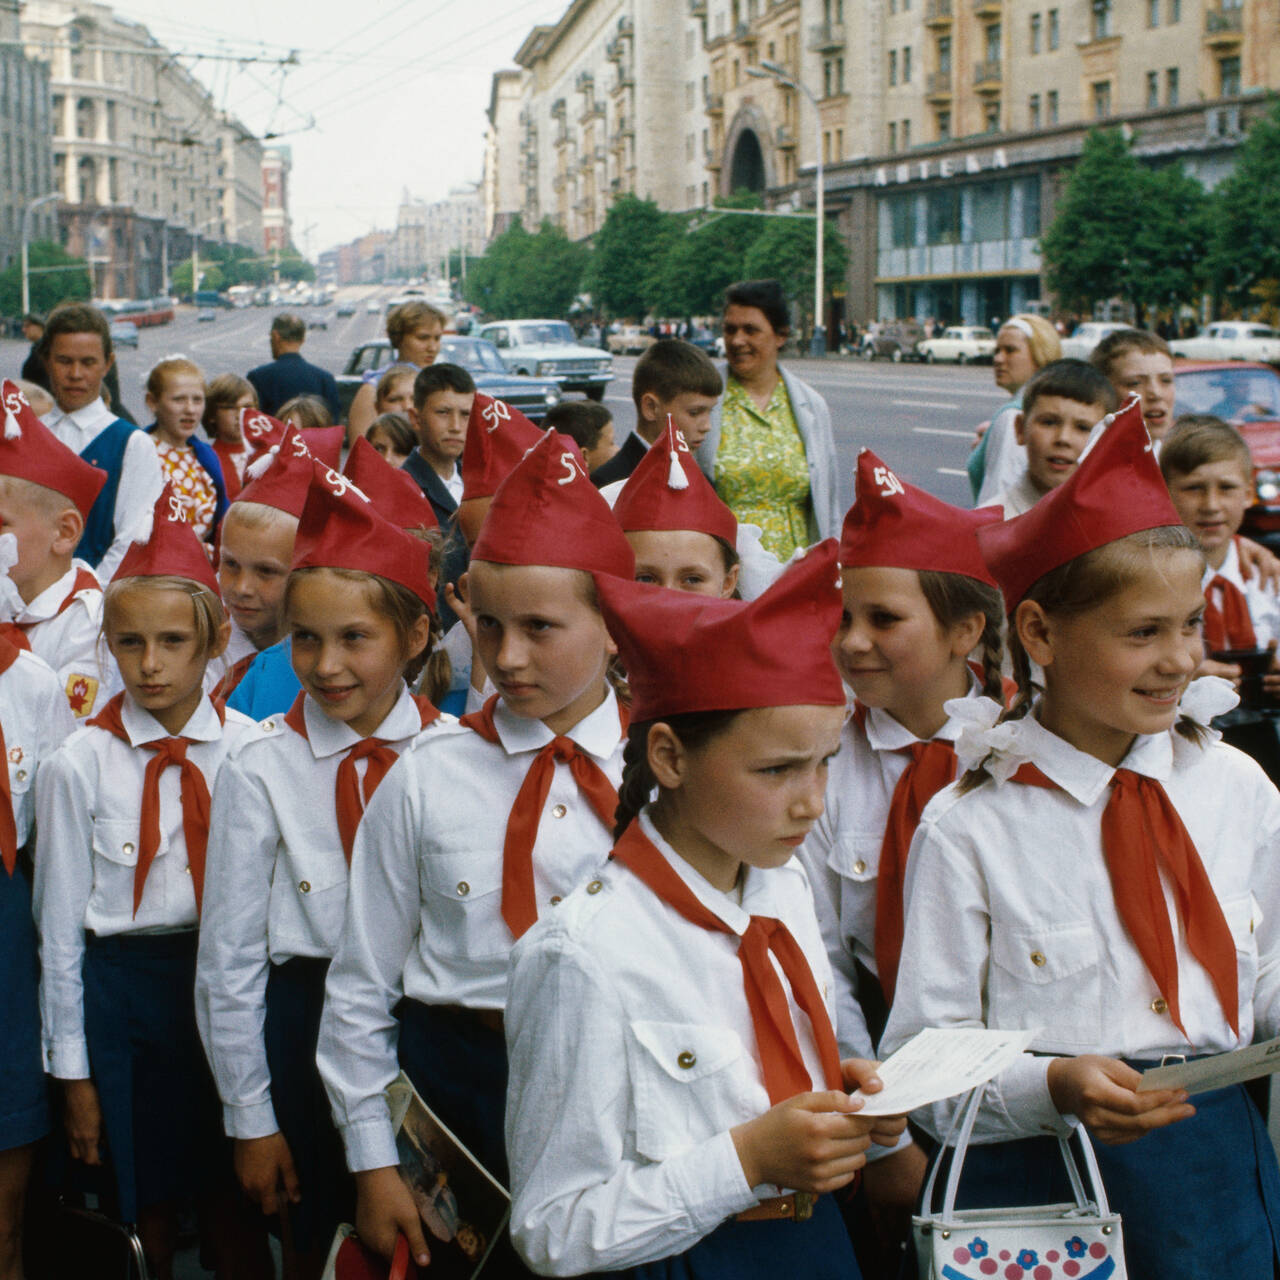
(925,404)
(951,471)
(943,431)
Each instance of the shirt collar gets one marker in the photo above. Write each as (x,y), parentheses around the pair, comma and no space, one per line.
(1084,777)
(142,727)
(1230,567)
(597,733)
(328,736)
(722,905)
(49,601)
(92,417)
(885,733)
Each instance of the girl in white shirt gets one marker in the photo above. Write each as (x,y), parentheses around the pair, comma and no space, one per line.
(677,1104)
(1106,873)
(481,828)
(123,812)
(285,813)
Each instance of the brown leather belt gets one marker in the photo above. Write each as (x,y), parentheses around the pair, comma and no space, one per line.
(491,1019)
(798,1206)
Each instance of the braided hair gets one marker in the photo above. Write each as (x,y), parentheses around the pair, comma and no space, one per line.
(953,598)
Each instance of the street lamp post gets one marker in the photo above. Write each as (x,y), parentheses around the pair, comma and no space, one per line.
(775,71)
(26,236)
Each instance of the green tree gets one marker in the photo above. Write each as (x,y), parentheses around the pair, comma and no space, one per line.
(625,255)
(293,266)
(1172,239)
(526,275)
(1244,257)
(211,276)
(699,265)
(786,250)
(47,288)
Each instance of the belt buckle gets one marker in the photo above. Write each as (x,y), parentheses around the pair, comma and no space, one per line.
(805,1201)
(1173,1059)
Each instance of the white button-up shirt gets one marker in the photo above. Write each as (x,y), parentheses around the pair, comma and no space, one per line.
(1011,920)
(141,479)
(89,805)
(1264,606)
(35,720)
(424,918)
(275,887)
(632,1056)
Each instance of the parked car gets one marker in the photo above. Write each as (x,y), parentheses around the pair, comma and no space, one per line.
(961,343)
(345,309)
(1231,340)
(373,307)
(320,321)
(206,315)
(1086,336)
(123,334)
(548,349)
(630,340)
(894,340)
(1247,396)
(532,396)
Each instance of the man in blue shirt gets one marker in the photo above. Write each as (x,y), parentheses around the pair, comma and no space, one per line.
(288,374)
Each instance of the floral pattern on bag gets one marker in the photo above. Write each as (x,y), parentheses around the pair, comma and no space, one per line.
(1076,1260)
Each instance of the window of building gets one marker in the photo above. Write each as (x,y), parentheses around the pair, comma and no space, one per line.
(1153,90)
(902,221)
(1100,19)
(944,55)
(991,117)
(906,65)
(893,6)
(1101,99)
(893,66)
(1035,33)
(1175,11)
(839,144)
(839,75)
(906,134)
(1153,13)
(893,135)
(944,126)
(1229,77)
(827,78)
(826,146)
(1051,106)
(993,42)
(1033,111)
(1053,29)
(1171,86)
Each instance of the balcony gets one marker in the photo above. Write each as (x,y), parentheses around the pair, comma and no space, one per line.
(786,138)
(1223,27)
(743,34)
(986,8)
(585,82)
(938,86)
(715,104)
(624,26)
(987,75)
(937,14)
(613,50)
(826,37)
(626,79)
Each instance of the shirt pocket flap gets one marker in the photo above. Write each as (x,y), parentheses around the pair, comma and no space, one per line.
(856,857)
(1047,954)
(1243,916)
(688,1051)
(463,877)
(20,773)
(116,839)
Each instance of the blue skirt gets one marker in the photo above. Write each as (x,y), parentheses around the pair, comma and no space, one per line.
(818,1249)
(1199,1199)
(159,1107)
(295,998)
(24,1094)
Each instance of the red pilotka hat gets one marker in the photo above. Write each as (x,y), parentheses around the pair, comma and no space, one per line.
(325,443)
(498,436)
(668,491)
(260,430)
(340,529)
(894,525)
(168,548)
(30,451)
(548,512)
(394,493)
(1116,490)
(280,476)
(685,652)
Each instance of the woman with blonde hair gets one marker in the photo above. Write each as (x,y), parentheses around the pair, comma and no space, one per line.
(414,330)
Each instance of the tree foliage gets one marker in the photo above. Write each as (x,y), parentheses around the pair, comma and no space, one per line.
(705,259)
(625,256)
(526,275)
(47,288)
(786,250)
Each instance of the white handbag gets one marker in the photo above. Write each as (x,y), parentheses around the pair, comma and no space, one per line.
(1080,1241)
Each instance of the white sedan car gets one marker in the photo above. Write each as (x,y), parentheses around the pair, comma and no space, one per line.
(1231,340)
(1087,336)
(961,343)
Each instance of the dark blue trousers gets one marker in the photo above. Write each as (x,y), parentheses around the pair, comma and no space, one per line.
(24,1096)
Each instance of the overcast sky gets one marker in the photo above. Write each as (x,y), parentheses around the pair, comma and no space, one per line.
(387,94)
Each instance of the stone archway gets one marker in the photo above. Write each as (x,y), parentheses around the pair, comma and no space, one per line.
(746,168)
(748,163)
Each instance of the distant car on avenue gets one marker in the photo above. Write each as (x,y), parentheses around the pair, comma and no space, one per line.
(894,340)
(345,309)
(1231,340)
(549,349)
(1087,336)
(123,334)
(964,343)
(630,340)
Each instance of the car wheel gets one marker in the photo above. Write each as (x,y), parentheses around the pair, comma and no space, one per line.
(595,393)
(962,358)
(896,357)
(524,373)
(928,357)
(868,352)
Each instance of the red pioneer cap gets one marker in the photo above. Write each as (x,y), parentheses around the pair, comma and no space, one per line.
(30,451)
(393,492)
(281,475)
(169,548)
(498,436)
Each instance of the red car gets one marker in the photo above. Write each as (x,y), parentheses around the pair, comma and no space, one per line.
(1248,397)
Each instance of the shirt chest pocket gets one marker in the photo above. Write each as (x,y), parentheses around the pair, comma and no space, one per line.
(315,879)
(115,863)
(1047,977)
(690,1082)
(463,899)
(1244,915)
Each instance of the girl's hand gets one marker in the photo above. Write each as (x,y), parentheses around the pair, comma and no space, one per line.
(1271,681)
(1102,1094)
(1227,670)
(860,1073)
(83,1120)
(812,1142)
(262,1164)
(1255,558)
(385,1209)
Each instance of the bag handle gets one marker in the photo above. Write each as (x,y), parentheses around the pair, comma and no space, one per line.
(400,1259)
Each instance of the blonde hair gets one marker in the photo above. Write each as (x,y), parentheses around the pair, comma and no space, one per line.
(207,608)
(257,515)
(1042,340)
(309,411)
(171,367)
(37,497)
(403,319)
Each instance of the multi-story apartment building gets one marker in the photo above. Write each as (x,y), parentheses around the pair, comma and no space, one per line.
(427,233)
(277,227)
(501,185)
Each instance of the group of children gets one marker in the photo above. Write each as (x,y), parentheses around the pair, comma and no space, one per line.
(703,844)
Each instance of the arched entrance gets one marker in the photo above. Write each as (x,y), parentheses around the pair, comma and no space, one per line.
(746,169)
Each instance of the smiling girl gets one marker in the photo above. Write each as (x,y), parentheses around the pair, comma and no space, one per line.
(1105,872)
(175,396)
(123,812)
(358,606)
(479,830)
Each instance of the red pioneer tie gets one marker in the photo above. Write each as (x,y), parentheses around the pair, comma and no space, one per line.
(1227,624)
(16,632)
(8,822)
(166,753)
(785,1073)
(519,907)
(1141,833)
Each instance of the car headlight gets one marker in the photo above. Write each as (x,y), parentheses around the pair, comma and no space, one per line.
(604,365)
(546,366)
(1267,485)
(552,396)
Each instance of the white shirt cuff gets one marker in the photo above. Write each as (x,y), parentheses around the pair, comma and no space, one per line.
(67,1059)
(257,1120)
(876,1152)
(710,1182)
(370,1144)
(1025,1097)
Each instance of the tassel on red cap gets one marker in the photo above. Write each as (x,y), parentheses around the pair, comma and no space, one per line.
(260,430)
(170,548)
(393,492)
(498,436)
(30,451)
(280,475)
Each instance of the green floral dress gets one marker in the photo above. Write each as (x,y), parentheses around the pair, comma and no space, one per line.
(761,470)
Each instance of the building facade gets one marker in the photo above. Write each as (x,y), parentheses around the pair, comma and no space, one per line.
(501,185)
(428,232)
(277,227)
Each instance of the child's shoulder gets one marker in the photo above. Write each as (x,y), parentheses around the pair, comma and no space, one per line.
(29,675)
(245,735)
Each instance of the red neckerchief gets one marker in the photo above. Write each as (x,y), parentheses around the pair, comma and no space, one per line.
(350,795)
(8,822)
(1142,832)
(519,907)
(782,1063)
(16,632)
(1227,624)
(166,752)
(231,681)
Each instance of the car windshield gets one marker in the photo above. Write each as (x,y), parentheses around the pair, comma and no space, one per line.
(479,357)
(983,333)
(552,334)
(1238,395)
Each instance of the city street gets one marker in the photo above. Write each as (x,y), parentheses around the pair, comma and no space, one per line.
(919,418)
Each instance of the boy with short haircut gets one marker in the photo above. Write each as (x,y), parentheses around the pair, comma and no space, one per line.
(589,425)
(1061,405)
(1135,360)
(442,396)
(77,353)
(672,377)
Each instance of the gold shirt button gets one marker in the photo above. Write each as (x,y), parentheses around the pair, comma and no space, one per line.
(556,899)
(304,886)
(1158,1005)
(463,888)
(686,1060)
(1037,959)
(268,725)
(559,811)
(22,775)
(594,887)
(859,866)
(128,846)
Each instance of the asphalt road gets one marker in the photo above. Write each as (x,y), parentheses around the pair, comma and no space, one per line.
(918,418)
